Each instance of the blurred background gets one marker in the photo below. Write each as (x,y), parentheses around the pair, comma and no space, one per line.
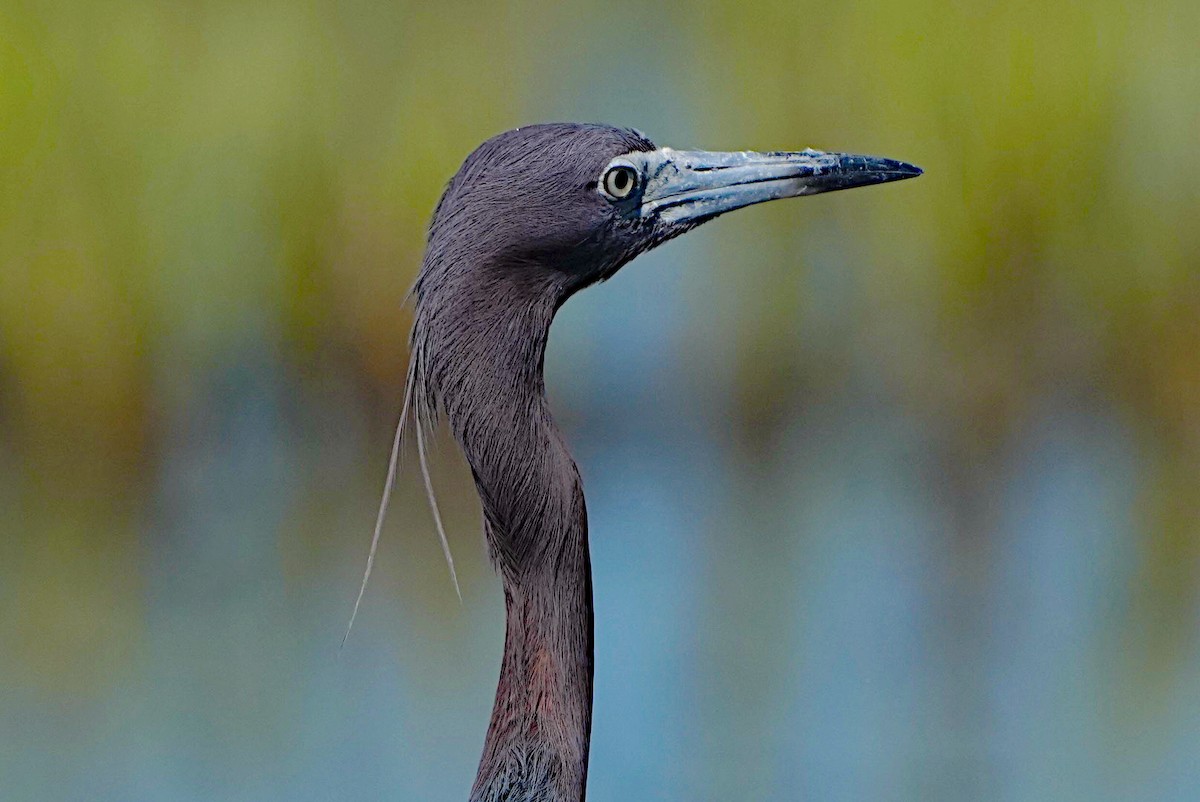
(894,493)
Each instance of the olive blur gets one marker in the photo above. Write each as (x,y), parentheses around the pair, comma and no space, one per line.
(893,494)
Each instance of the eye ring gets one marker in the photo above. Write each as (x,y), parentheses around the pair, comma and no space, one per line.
(619,181)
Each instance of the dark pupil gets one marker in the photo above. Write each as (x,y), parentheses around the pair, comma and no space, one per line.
(621,180)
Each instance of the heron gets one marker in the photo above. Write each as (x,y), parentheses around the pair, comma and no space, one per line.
(532,216)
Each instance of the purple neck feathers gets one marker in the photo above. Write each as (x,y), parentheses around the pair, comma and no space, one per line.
(478,350)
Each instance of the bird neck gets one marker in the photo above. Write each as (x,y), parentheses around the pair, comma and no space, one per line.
(487,374)
(537,743)
(536,525)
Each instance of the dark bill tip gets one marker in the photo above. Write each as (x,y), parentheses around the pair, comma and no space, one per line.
(846,171)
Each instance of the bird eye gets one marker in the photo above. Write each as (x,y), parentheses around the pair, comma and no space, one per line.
(619,182)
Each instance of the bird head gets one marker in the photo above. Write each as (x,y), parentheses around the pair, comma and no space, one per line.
(564,205)
(537,213)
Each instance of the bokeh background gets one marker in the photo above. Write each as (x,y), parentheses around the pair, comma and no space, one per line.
(894,493)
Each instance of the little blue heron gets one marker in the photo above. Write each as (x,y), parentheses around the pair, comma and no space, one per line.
(533,216)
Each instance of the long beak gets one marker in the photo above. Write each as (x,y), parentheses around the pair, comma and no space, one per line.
(696,185)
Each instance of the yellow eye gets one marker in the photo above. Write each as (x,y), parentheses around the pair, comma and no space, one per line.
(619,182)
